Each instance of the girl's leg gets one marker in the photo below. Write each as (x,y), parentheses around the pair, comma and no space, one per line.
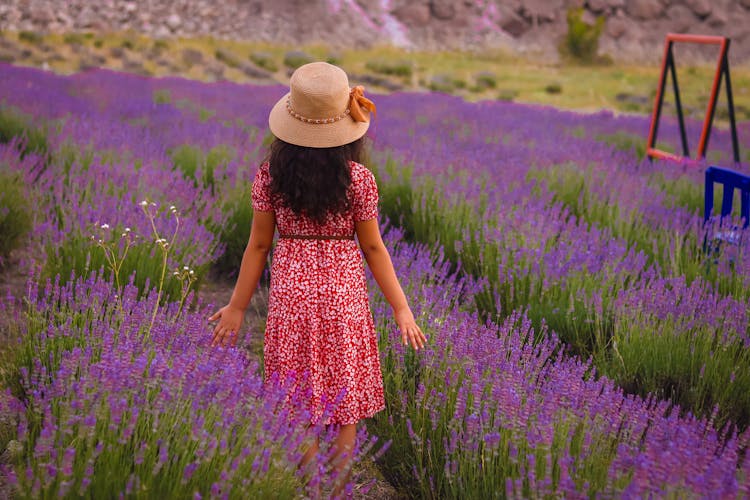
(342,455)
(309,468)
(311,452)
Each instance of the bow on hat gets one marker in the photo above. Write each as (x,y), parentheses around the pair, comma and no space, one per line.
(358,101)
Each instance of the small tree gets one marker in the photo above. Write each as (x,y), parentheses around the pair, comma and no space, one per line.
(581,42)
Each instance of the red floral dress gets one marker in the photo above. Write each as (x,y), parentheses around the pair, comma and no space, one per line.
(319,321)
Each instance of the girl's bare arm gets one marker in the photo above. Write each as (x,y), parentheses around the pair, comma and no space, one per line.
(253,261)
(379,260)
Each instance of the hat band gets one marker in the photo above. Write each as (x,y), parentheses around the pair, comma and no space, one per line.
(314,120)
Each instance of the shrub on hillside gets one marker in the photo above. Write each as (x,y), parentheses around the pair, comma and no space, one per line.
(296,58)
(443,82)
(507,95)
(553,88)
(485,80)
(74,39)
(390,67)
(30,37)
(264,60)
(227,58)
(581,42)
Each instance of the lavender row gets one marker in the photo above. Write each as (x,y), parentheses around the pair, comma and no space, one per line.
(108,410)
(486,408)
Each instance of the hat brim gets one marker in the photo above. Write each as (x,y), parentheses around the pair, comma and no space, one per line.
(314,135)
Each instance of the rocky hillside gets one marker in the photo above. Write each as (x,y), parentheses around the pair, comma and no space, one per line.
(634,29)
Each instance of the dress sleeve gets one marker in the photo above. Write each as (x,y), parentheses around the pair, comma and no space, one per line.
(365,189)
(261,193)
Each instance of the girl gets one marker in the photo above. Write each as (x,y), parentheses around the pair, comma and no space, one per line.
(313,188)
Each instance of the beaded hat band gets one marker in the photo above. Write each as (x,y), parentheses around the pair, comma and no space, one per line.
(357,101)
(314,120)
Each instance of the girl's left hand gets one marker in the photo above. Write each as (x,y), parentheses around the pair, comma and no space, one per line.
(410,331)
(227,330)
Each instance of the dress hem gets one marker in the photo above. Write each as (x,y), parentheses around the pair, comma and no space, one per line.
(369,414)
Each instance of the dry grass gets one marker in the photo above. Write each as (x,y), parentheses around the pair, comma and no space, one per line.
(617,87)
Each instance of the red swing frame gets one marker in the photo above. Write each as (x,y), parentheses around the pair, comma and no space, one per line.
(668,65)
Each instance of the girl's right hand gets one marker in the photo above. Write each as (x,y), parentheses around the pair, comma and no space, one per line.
(410,331)
(227,330)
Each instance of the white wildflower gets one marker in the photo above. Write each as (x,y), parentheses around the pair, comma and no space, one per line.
(105,226)
(144,203)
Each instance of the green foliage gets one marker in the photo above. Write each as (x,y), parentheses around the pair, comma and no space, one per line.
(265,60)
(677,254)
(334,58)
(150,260)
(268,139)
(74,38)
(553,88)
(402,67)
(14,124)
(296,58)
(160,45)
(507,95)
(30,37)
(172,432)
(689,365)
(15,213)
(162,96)
(683,192)
(78,255)
(444,82)
(235,231)
(200,167)
(581,42)
(227,58)
(625,141)
(485,80)
(187,159)
(396,193)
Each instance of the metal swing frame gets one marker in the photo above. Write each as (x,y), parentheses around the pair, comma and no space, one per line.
(722,71)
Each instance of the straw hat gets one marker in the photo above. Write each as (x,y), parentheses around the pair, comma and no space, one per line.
(321,111)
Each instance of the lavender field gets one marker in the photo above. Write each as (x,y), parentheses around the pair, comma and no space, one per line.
(588,338)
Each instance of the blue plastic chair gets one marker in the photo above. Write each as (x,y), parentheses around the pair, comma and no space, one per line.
(730,180)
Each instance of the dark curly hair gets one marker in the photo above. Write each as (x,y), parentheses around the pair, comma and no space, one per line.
(312,181)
